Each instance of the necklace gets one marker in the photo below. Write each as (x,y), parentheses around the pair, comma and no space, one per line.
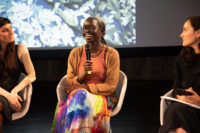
(97,53)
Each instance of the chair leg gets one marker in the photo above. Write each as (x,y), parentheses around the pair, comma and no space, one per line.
(110,129)
(1,116)
(1,122)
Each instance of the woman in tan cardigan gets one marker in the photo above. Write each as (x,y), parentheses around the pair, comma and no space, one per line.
(91,96)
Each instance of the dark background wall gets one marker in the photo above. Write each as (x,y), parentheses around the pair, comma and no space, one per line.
(153,63)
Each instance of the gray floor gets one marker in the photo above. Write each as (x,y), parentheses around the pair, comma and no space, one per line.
(124,122)
(34,122)
(136,116)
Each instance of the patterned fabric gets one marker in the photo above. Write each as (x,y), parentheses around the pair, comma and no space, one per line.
(43,23)
(84,112)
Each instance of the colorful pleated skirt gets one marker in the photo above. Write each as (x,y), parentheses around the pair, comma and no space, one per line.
(83,112)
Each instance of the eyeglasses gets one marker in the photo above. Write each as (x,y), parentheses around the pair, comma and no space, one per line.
(88,28)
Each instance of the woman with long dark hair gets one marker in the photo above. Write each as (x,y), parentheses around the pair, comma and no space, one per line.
(181,118)
(12,60)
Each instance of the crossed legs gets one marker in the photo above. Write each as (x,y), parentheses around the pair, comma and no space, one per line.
(180,118)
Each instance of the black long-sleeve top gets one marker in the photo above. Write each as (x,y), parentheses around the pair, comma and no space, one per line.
(187,74)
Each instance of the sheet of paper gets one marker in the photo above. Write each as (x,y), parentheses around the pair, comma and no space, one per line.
(177,100)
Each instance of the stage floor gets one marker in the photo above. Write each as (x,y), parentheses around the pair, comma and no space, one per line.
(139,114)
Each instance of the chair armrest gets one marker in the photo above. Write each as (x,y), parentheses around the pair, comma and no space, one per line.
(23,93)
(120,92)
(61,94)
(26,94)
(164,106)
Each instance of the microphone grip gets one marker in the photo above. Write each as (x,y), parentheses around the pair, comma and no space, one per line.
(88,54)
(87,50)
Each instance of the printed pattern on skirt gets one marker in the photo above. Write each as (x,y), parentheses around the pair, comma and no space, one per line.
(84,112)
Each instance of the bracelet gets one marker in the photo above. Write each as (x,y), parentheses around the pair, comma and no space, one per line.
(67,91)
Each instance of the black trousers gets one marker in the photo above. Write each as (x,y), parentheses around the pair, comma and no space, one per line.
(7,111)
(180,115)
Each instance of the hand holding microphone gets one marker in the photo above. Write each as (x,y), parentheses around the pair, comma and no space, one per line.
(88,63)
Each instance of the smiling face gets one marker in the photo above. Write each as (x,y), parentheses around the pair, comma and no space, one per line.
(189,36)
(91,31)
(6,34)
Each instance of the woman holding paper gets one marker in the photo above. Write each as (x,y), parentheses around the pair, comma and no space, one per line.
(181,118)
(91,83)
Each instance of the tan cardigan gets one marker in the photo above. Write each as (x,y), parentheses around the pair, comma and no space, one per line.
(112,63)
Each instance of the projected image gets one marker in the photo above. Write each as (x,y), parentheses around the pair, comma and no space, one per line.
(57,23)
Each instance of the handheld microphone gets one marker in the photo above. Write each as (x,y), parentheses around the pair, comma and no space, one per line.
(87,50)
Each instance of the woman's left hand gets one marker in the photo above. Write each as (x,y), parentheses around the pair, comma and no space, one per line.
(14,91)
(193,99)
(70,88)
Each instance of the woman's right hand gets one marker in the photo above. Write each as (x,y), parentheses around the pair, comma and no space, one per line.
(88,66)
(70,88)
(193,99)
(181,97)
(14,100)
